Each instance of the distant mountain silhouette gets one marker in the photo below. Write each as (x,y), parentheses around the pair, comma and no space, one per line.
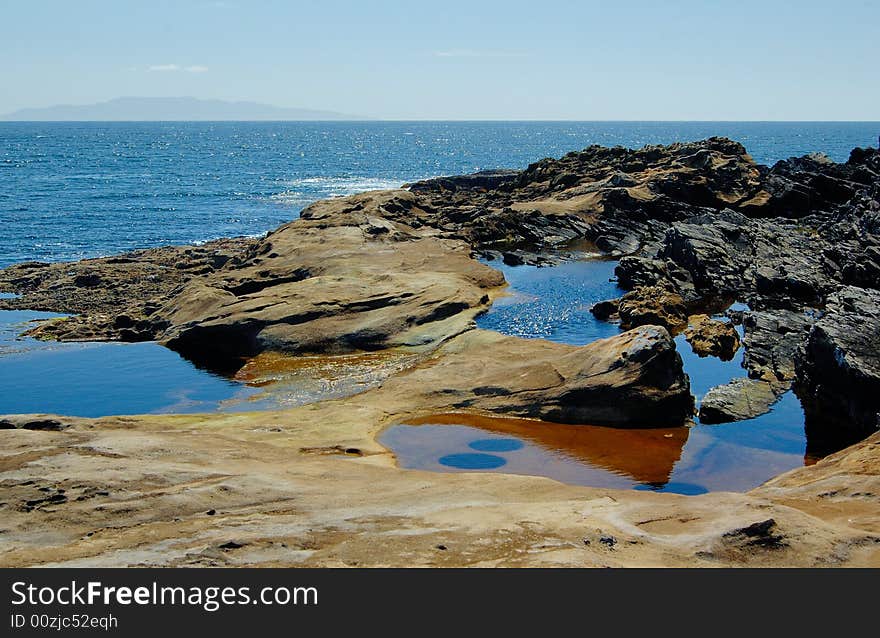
(170,109)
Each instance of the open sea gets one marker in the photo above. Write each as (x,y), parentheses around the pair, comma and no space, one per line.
(70,190)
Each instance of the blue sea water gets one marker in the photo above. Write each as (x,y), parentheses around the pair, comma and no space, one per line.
(70,190)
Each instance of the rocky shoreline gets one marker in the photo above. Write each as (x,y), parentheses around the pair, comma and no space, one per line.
(696,227)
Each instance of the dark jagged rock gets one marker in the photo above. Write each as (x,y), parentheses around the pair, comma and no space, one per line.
(772,339)
(632,272)
(482,180)
(802,185)
(839,368)
(786,268)
(619,198)
(762,534)
(32,422)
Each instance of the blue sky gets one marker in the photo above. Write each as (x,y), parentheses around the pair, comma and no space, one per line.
(540,59)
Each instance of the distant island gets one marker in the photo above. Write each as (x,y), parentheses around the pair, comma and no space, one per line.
(170,109)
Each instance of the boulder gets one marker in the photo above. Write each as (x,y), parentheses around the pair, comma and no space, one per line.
(605,310)
(710,337)
(737,400)
(839,368)
(652,305)
(634,379)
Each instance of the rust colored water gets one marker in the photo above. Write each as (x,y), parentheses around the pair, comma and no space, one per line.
(553,303)
(686,460)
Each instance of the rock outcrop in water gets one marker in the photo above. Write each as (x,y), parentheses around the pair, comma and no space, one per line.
(737,400)
(711,338)
(114,298)
(634,379)
(840,365)
(699,225)
(789,253)
(342,278)
(351,276)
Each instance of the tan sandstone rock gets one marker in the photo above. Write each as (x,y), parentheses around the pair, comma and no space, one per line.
(710,337)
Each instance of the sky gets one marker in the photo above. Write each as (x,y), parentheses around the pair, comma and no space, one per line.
(539,59)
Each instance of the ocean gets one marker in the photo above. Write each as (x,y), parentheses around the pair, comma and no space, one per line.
(70,190)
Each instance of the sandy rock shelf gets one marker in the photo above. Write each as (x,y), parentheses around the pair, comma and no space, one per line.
(310,486)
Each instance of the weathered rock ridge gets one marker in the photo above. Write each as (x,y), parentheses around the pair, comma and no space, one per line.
(634,379)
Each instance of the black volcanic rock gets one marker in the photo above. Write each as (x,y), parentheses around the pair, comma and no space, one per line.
(482,180)
(839,367)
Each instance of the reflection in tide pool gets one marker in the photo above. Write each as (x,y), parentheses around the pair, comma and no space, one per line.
(553,303)
(470,461)
(100,379)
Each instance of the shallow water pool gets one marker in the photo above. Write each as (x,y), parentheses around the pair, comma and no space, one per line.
(100,379)
(553,303)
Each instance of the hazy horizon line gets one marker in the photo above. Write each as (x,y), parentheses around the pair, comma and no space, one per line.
(380,119)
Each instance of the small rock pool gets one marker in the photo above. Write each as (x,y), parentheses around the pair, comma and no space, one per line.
(102,379)
(553,303)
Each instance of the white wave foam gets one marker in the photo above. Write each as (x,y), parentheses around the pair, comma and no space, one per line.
(313,188)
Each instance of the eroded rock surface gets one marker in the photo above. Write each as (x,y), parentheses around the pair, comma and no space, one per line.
(310,486)
(710,337)
(634,379)
(340,279)
(113,298)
